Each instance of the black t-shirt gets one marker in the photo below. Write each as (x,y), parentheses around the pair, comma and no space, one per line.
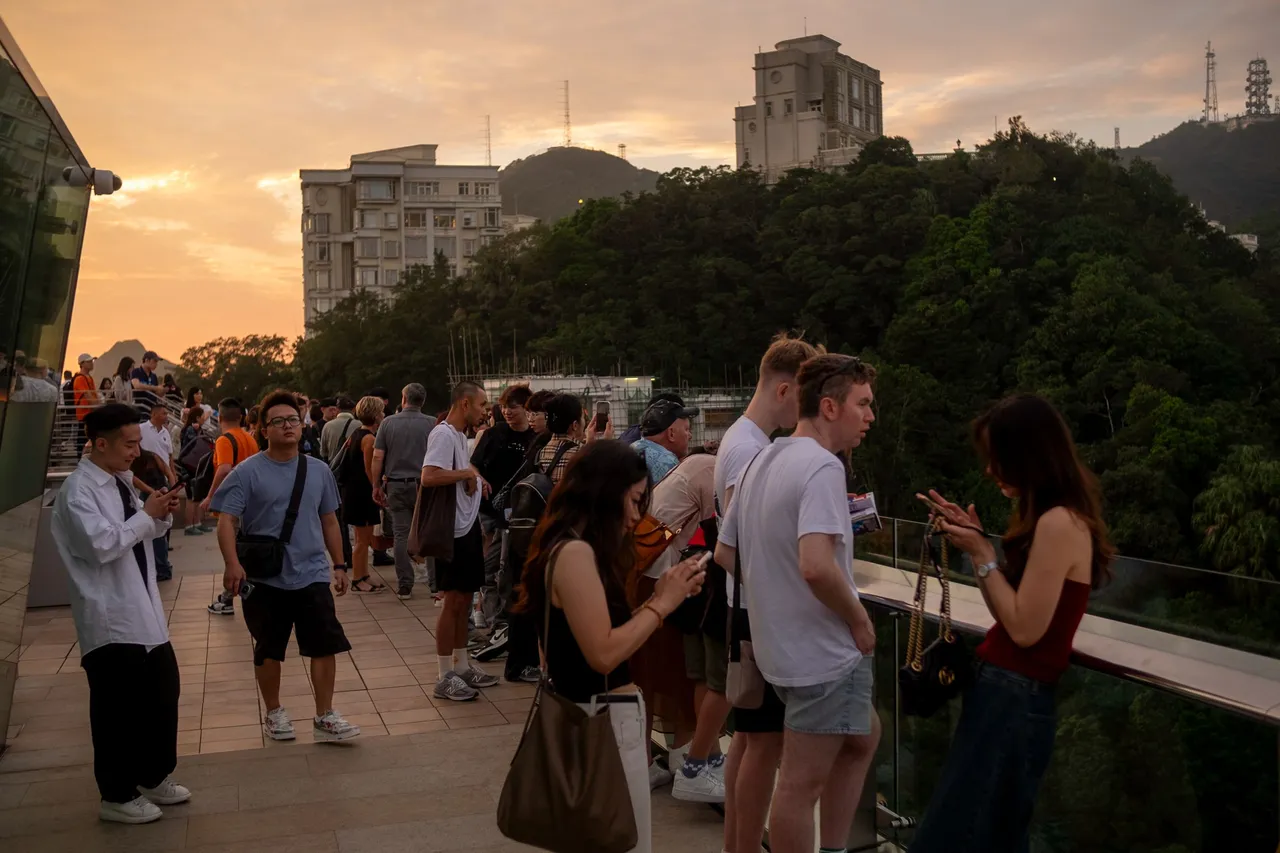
(500,453)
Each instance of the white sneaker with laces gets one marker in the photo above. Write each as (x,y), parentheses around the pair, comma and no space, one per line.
(332,727)
(167,793)
(139,810)
(706,787)
(277,725)
(658,776)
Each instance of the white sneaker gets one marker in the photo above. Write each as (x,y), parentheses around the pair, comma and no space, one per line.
(167,793)
(658,776)
(277,725)
(139,810)
(706,787)
(332,727)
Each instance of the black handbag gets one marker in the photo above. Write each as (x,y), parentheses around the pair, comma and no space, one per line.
(262,556)
(935,674)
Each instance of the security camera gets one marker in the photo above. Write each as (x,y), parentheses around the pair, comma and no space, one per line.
(103,181)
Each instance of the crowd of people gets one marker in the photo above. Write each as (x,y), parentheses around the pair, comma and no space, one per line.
(547,525)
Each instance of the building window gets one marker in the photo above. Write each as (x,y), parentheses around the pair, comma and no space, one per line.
(367,247)
(323,305)
(322,279)
(446,220)
(390,278)
(856,119)
(415,247)
(746,155)
(815,106)
(468,248)
(392,220)
(369,219)
(464,188)
(468,219)
(788,106)
(316,223)
(377,190)
(318,252)
(390,248)
(768,109)
(492,217)
(855,88)
(421,189)
(484,189)
(415,219)
(368,277)
(871,95)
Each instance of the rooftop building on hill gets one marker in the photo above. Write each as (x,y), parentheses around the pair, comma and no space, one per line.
(814,107)
(364,225)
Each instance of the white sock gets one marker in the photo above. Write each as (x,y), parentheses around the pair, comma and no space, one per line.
(461,660)
(445,663)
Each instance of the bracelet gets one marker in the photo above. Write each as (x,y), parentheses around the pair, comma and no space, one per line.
(648,606)
(339,567)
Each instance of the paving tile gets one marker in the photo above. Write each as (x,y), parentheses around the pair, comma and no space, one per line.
(454,710)
(90,834)
(230,654)
(412,715)
(402,703)
(40,666)
(39,759)
(237,718)
(311,842)
(436,836)
(232,685)
(412,691)
(230,745)
(243,732)
(45,651)
(12,795)
(477,721)
(62,791)
(417,727)
(30,741)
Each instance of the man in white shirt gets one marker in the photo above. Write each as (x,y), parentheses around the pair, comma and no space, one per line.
(448,463)
(757,737)
(811,636)
(102,537)
(158,441)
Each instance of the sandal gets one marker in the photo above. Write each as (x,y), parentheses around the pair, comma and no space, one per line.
(369,586)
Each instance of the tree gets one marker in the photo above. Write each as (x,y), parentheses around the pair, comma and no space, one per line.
(245,368)
(1240,514)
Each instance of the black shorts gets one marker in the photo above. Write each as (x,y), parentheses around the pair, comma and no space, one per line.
(771,713)
(273,613)
(465,572)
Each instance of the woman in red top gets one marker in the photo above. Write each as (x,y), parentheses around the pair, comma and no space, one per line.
(1056,551)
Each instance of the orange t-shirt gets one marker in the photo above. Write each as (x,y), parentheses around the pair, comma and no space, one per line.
(222,450)
(85,394)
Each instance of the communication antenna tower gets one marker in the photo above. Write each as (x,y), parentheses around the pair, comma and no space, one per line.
(488,142)
(1117,139)
(622,150)
(568,128)
(1257,90)
(1210,84)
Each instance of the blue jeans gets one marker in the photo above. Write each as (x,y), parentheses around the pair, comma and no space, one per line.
(160,546)
(987,791)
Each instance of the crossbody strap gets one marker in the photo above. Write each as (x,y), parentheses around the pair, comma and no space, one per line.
(295,500)
(560,452)
(735,640)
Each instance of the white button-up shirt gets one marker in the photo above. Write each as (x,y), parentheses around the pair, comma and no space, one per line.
(109,601)
(158,440)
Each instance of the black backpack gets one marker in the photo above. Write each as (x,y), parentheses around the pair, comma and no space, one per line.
(202,482)
(528,501)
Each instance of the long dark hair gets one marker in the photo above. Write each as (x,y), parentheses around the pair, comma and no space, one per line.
(123,368)
(1028,446)
(191,395)
(588,505)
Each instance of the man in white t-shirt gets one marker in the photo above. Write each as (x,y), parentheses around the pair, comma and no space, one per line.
(810,633)
(448,463)
(757,737)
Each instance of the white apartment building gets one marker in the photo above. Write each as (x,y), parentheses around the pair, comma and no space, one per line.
(364,225)
(814,107)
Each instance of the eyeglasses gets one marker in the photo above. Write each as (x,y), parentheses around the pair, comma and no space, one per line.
(851,365)
(291,421)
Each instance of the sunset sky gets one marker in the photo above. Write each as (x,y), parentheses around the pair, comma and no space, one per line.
(208,110)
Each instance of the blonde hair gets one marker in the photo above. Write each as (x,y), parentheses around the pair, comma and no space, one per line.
(368,409)
(786,354)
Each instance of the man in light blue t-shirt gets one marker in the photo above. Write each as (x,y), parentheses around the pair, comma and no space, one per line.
(257,494)
(811,635)
(667,427)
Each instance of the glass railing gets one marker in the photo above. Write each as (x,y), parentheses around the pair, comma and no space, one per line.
(1226,610)
(1136,768)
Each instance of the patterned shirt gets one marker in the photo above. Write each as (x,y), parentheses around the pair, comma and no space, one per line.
(657,458)
(548,453)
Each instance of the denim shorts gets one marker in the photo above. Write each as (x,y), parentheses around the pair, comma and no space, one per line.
(841,707)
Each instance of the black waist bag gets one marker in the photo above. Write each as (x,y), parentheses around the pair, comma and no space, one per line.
(263,556)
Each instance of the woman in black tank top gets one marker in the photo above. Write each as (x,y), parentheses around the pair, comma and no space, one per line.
(583,546)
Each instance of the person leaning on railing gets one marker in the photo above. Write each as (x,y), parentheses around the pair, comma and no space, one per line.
(1056,551)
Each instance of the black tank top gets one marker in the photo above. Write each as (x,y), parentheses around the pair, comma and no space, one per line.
(571,675)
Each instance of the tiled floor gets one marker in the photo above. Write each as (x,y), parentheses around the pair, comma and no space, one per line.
(423,776)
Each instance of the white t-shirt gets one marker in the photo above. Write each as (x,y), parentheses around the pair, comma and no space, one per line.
(795,488)
(158,440)
(739,446)
(447,449)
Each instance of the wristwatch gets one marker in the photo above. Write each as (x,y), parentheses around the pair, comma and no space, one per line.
(341,568)
(987,568)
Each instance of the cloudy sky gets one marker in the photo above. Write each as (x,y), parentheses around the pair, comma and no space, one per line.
(208,110)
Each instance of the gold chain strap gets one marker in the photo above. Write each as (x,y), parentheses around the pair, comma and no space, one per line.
(915,636)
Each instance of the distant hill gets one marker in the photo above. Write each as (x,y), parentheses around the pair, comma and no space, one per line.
(105,365)
(549,185)
(1234,174)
